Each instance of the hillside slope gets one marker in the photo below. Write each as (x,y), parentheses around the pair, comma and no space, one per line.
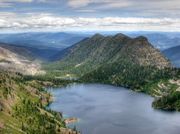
(12,61)
(23,51)
(23,107)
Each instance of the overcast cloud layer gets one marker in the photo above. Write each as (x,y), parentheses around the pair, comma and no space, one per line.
(131,15)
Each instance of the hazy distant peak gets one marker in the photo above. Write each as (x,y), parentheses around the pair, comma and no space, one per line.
(120,35)
(141,38)
(97,36)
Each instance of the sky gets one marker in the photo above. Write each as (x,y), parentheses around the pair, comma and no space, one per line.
(89,15)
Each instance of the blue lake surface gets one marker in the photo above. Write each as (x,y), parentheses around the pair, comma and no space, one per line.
(105,109)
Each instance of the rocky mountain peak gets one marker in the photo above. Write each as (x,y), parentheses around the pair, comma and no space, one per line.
(100,49)
(120,35)
(141,38)
(97,36)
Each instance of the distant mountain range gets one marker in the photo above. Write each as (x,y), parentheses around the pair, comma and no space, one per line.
(174,55)
(46,45)
(42,45)
(59,40)
(160,40)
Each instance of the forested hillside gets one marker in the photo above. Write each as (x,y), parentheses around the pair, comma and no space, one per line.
(23,107)
(93,52)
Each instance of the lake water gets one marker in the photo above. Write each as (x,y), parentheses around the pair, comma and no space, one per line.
(105,109)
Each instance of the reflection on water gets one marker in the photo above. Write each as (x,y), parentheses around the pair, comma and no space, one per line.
(105,109)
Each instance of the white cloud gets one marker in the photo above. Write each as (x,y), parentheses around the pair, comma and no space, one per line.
(86,10)
(10,21)
(84,3)
(5,4)
(132,4)
(15,1)
(112,5)
(9,3)
(79,3)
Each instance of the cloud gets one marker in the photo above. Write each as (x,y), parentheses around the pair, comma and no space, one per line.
(98,8)
(86,11)
(79,3)
(108,3)
(131,4)
(10,3)
(16,0)
(5,4)
(32,21)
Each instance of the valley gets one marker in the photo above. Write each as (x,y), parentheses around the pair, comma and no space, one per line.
(89,67)
(118,60)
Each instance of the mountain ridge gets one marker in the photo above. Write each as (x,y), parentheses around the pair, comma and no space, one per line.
(90,53)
